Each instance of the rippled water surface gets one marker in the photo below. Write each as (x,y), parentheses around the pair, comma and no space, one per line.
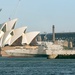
(36,66)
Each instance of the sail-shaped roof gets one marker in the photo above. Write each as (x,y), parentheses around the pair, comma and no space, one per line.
(17,33)
(9,35)
(28,37)
(8,25)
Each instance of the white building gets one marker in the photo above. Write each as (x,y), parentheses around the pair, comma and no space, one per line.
(19,36)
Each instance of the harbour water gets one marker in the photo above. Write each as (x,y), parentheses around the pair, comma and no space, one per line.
(36,66)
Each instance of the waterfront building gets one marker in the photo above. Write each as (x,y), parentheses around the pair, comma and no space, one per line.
(15,37)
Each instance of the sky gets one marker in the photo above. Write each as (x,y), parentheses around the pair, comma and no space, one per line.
(40,15)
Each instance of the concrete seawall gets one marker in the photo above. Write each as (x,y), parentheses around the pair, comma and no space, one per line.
(52,54)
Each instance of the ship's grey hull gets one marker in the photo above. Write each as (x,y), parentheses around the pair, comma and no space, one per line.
(26,53)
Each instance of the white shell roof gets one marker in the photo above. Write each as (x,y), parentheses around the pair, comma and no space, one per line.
(6,37)
(1,33)
(28,37)
(9,25)
(17,33)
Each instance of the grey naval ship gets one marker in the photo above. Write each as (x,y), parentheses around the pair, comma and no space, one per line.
(31,51)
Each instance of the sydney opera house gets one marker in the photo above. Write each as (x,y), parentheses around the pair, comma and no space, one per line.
(11,37)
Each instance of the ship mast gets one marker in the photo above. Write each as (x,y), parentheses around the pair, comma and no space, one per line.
(15,10)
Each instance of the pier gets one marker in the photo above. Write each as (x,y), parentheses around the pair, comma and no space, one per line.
(52,54)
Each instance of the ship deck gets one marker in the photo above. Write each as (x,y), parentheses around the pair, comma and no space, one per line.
(19,47)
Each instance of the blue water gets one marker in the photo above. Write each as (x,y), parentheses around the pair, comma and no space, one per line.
(36,66)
